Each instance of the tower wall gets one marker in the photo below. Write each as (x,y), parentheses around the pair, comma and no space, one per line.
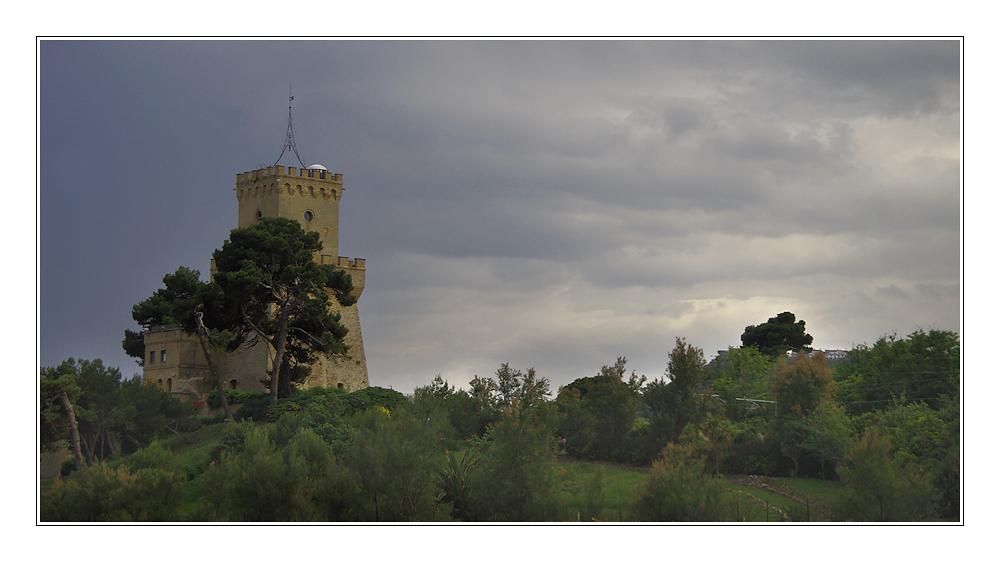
(350,372)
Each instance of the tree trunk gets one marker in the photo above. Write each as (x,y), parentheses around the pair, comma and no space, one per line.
(74,430)
(90,445)
(181,437)
(138,444)
(279,356)
(114,443)
(203,340)
(285,382)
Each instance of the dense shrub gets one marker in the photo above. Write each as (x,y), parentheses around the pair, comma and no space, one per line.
(260,482)
(366,398)
(212,420)
(755,454)
(518,477)
(156,455)
(103,494)
(232,440)
(339,496)
(678,490)
(335,402)
(882,486)
(394,456)
(233,396)
(253,408)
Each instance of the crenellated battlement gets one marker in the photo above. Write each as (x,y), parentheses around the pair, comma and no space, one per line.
(318,184)
(355,268)
(356,263)
(261,173)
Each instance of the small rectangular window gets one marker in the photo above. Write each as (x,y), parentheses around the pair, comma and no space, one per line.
(152,357)
(163,356)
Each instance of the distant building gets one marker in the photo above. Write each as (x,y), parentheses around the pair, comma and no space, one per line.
(832,355)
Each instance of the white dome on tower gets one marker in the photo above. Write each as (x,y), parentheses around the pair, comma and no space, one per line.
(317,167)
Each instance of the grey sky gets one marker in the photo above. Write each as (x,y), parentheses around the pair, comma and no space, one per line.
(551,204)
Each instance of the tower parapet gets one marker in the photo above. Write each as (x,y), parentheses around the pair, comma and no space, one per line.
(321,174)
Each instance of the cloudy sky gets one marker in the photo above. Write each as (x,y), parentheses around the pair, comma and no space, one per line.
(548,204)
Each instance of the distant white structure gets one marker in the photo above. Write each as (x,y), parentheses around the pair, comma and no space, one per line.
(832,355)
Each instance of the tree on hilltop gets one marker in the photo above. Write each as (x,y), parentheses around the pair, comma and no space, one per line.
(778,335)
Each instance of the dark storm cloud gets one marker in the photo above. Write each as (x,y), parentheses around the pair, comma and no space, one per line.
(555,203)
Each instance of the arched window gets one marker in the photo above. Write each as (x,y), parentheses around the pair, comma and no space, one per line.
(232,384)
(169,385)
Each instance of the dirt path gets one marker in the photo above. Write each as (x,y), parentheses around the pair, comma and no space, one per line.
(768,485)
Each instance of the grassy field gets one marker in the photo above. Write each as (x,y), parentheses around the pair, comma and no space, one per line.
(747,504)
(583,502)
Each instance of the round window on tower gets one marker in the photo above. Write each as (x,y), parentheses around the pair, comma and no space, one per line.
(309,216)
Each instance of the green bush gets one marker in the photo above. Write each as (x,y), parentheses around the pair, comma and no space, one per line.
(212,420)
(883,487)
(367,398)
(260,482)
(156,455)
(518,479)
(678,490)
(339,497)
(755,454)
(394,456)
(232,440)
(313,451)
(253,408)
(103,494)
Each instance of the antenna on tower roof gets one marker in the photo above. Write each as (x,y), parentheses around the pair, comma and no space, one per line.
(289,135)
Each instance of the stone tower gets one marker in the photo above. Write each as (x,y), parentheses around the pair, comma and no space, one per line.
(312,197)
(174,360)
